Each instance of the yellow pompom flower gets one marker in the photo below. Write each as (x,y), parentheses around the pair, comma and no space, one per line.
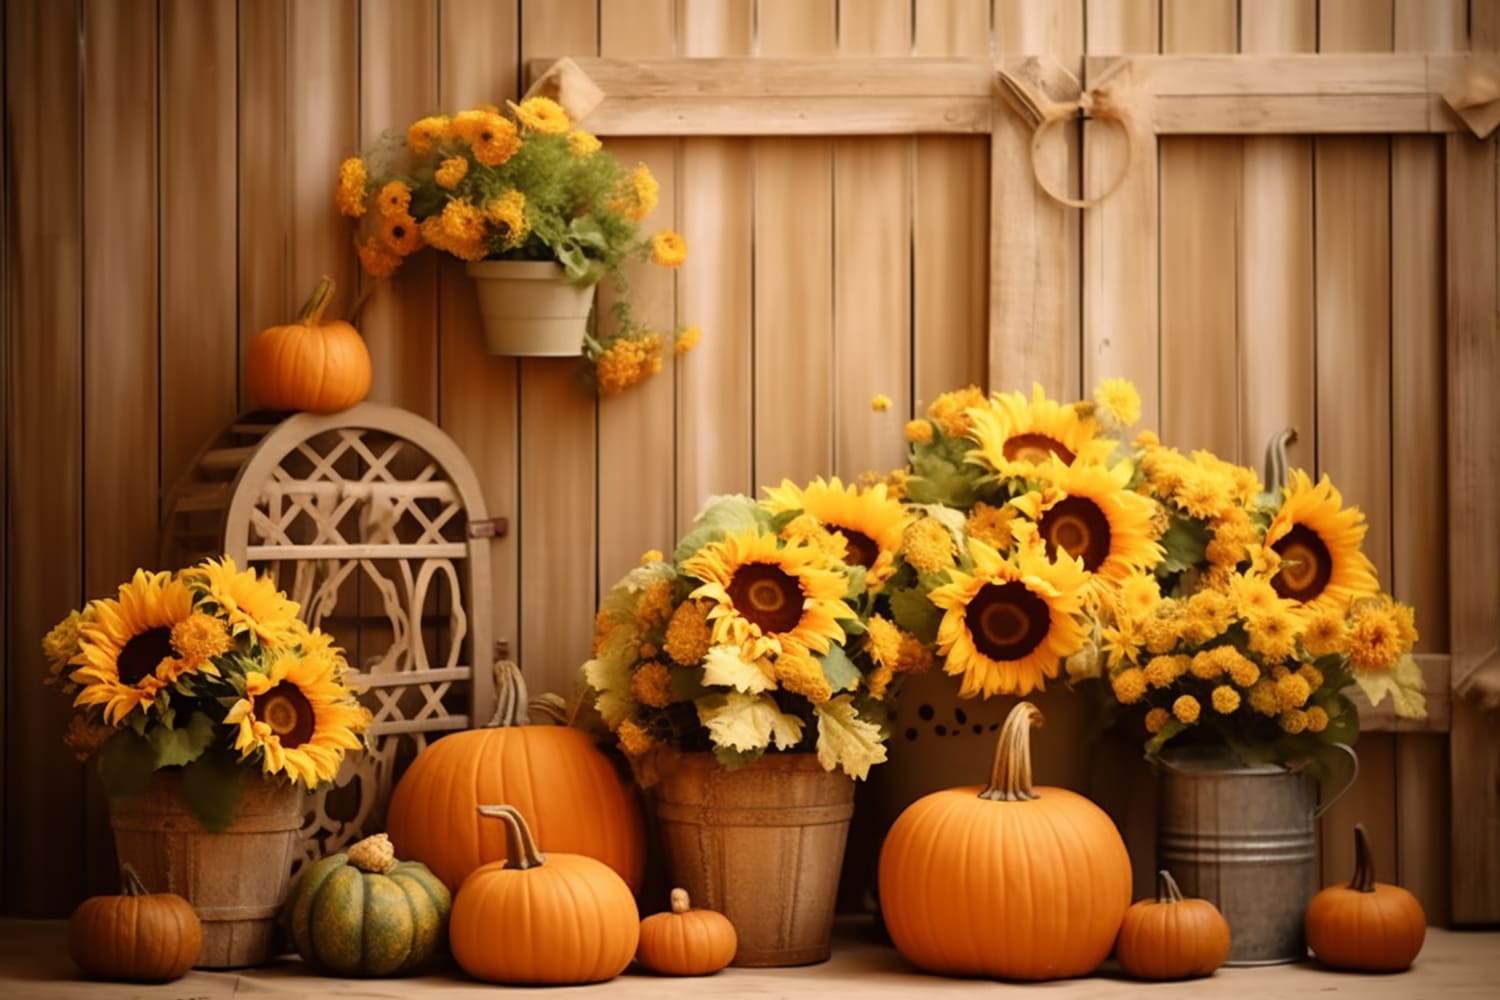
(1186,709)
(668,249)
(1264,697)
(651,683)
(634,740)
(198,638)
(689,634)
(1293,721)
(1156,719)
(654,606)
(1244,672)
(542,114)
(508,214)
(350,193)
(1317,718)
(582,144)
(451,171)
(1226,699)
(1118,402)
(991,525)
(686,340)
(628,361)
(880,402)
(1312,675)
(639,194)
(1292,691)
(1129,685)
(928,546)
(919,431)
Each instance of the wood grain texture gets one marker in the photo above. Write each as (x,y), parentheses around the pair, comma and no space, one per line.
(872,296)
(1424,822)
(1275,370)
(714,382)
(950,224)
(44,432)
(199,148)
(1034,241)
(397,84)
(793,298)
(478,393)
(5,448)
(637,460)
(1199,258)
(1371,800)
(558,513)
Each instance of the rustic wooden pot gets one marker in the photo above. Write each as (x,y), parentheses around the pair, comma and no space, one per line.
(235,879)
(763,845)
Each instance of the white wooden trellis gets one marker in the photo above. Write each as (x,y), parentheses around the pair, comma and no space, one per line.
(376,507)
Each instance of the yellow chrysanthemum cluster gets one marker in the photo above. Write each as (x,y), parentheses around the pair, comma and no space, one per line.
(628,361)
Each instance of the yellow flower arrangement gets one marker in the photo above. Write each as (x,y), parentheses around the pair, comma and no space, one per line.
(207,671)
(519,184)
(755,635)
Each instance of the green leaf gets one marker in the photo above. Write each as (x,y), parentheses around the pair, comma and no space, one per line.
(125,764)
(1184,543)
(847,741)
(1156,742)
(916,614)
(1343,721)
(213,786)
(840,671)
(729,759)
(173,747)
(723,515)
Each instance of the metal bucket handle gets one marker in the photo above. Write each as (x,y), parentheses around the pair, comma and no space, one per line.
(1353,775)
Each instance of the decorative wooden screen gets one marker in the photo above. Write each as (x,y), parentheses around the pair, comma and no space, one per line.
(372,520)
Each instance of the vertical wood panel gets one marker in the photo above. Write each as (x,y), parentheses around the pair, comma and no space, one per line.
(637,459)
(264,157)
(1199,243)
(793,292)
(398,83)
(1033,240)
(1352,191)
(5,446)
(1275,299)
(1419,467)
(199,344)
(1121,315)
(44,431)
(477,392)
(558,526)
(950,223)
(714,426)
(872,240)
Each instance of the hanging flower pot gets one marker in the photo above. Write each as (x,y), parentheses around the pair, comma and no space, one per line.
(531,308)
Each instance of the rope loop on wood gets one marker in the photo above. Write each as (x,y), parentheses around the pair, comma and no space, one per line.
(1042,113)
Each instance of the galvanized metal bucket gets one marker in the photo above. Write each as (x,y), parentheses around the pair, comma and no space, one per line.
(1244,838)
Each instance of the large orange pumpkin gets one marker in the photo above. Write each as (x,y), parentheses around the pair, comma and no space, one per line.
(1007,881)
(1367,925)
(137,936)
(311,365)
(542,918)
(1172,937)
(572,797)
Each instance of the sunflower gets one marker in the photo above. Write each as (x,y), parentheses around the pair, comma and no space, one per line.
(1009,625)
(298,716)
(125,654)
(768,597)
(1319,542)
(871,522)
(1017,438)
(250,603)
(1090,515)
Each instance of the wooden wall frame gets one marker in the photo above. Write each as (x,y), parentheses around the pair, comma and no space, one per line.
(1378,94)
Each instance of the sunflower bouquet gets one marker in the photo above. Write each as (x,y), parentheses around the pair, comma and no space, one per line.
(1262,613)
(208,672)
(518,184)
(756,634)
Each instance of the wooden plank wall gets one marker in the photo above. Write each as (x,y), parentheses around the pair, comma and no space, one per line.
(1300,278)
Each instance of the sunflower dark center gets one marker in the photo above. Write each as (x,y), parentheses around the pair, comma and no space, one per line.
(288,712)
(1078,527)
(767,596)
(859,548)
(143,653)
(1036,448)
(1007,620)
(1306,565)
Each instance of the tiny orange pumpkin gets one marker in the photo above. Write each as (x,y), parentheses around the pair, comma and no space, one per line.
(137,936)
(312,364)
(1366,925)
(1172,937)
(686,942)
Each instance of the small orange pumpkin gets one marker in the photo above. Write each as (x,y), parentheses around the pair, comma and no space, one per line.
(1171,937)
(311,365)
(1007,881)
(137,936)
(535,919)
(566,788)
(686,942)
(1365,925)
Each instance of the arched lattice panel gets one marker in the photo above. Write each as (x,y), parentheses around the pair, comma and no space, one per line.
(372,519)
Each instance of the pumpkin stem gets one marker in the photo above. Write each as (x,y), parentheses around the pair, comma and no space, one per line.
(1167,890)
(130,882)
(373,854)
(680,901)
(1364,862)
(510,696)
(312,310)
(1010,774)
(520,848)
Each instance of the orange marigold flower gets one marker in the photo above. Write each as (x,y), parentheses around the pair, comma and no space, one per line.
(668,249)
(350,194)
(377,261)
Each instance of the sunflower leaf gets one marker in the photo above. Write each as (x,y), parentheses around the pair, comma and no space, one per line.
(1156,742)
(212,785)
(722,515)
(745,722)
(125,764)
(838,669)
(174,747)
(725,667)
(845,740)
(916,614)
(1403,683)
(1184,543)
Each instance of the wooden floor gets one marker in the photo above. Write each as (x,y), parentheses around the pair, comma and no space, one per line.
(34,964)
